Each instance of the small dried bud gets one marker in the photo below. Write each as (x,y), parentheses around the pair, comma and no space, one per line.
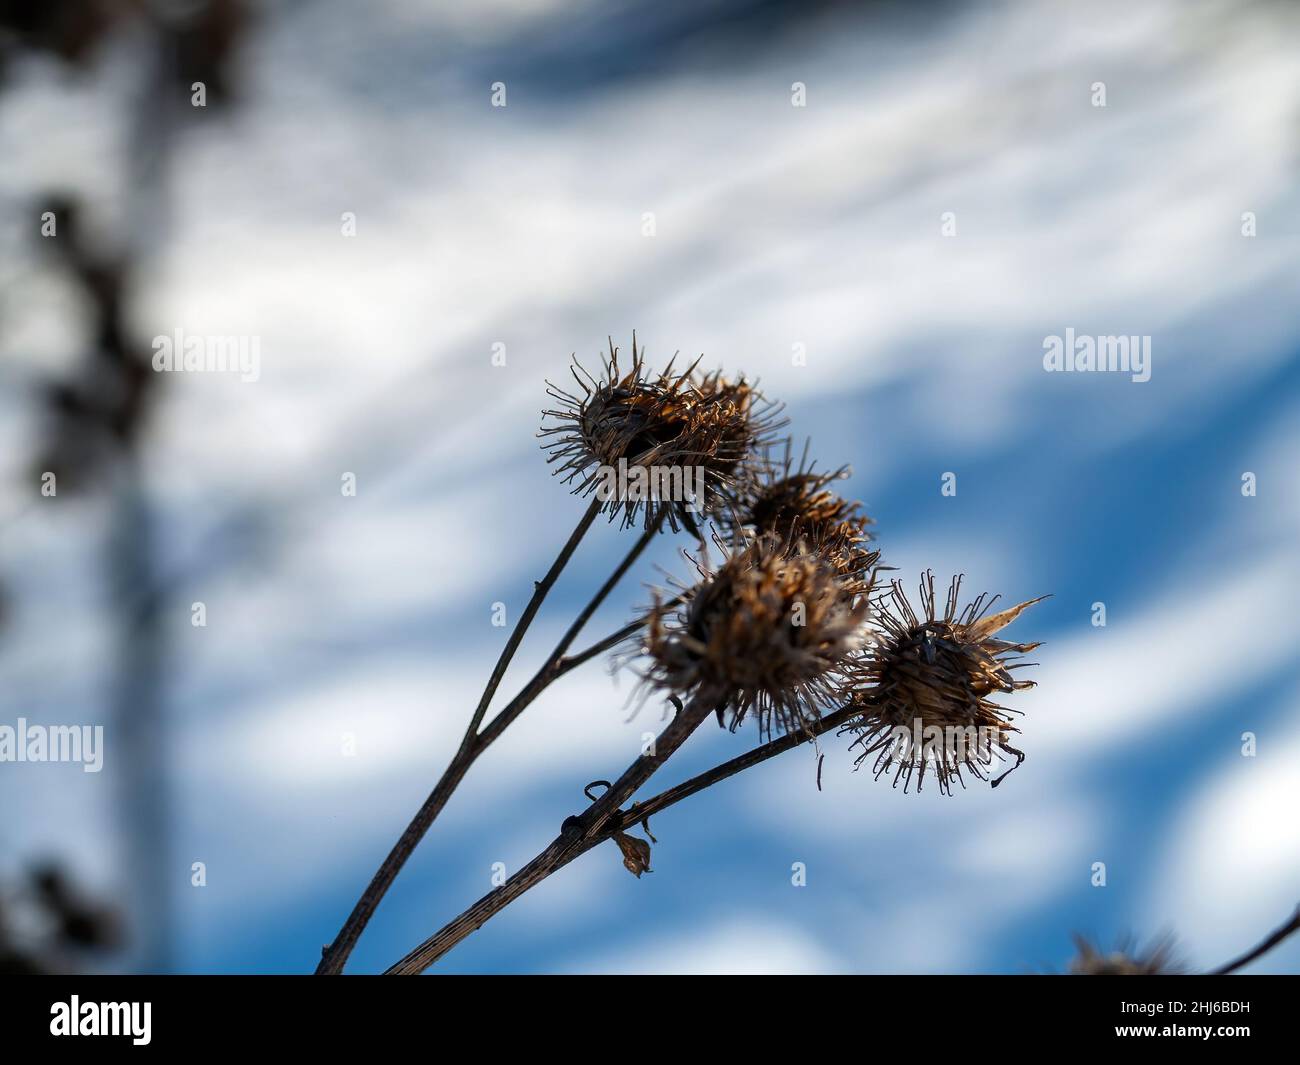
(774,631)
(652,446)
(636,854)
(926,703)
(741,421)
(795,503)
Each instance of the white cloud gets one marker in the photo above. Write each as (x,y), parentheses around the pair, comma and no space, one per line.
(1230,873)
(1177,657)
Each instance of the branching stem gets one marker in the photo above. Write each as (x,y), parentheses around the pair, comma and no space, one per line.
(475,742)
(577,836)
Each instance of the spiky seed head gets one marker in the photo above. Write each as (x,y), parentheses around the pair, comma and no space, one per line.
(796,503)
(800,504)
(739,424)
(774,632)
(686,442)
(929,680)
(1158,959)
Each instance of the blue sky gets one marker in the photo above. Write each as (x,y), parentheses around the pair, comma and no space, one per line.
(775,226)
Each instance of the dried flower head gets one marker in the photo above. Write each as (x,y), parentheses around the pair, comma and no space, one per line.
(667,445)
(741,419)
(1125,960)
(774,631)
(926,702)
(795,503)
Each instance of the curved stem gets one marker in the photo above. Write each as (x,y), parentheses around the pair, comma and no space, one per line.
(1268,944)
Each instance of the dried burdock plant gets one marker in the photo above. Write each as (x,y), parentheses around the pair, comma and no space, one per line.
(782,630)
(926,703)
(773,633)
(796,503)
(631,437)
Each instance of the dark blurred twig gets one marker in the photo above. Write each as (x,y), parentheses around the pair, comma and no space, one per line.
(1268,944)
(99,413)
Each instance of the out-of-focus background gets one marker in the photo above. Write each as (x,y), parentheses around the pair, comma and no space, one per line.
(886,244)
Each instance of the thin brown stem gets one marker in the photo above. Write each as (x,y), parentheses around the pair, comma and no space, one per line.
(596,649)
(604,819)
(540,590)
(577,836)
(556,664)
(1268,944)
(642,810)
(335,956)
(612,640)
